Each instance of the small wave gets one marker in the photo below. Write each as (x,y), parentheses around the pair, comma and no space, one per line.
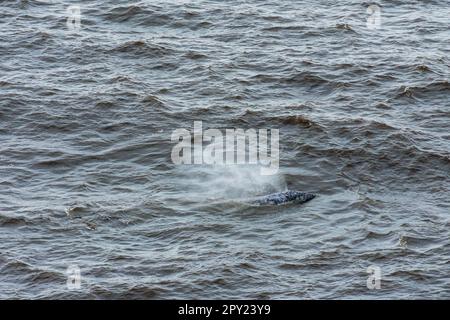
(284,28)
(422,68)
(142,48)
(409,241)
(195,55)
(105,104)
(185,231)
(363,124)
(424,90)
(68,161)
(304,79)
(300,120)
(416,275)
(378,235)
(46,276)
(152,100)
(14,265)
(121,14)
(77,210)
(344,26)
(7,221)
(139,15)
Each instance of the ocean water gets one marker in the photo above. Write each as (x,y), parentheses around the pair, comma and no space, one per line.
(89,100)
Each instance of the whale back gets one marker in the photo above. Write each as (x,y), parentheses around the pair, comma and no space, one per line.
(284,197)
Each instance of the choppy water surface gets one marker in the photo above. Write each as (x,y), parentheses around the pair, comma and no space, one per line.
(86,177)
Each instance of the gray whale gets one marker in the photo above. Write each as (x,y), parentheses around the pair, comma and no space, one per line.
(284,197)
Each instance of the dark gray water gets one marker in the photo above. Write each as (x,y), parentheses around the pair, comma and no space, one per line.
(86,176)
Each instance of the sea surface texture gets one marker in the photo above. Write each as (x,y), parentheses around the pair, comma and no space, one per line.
(92,206)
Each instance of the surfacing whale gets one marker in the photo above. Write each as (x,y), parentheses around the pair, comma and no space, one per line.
(289,196)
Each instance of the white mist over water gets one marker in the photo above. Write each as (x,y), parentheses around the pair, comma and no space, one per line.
(226,181)
(201,183)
